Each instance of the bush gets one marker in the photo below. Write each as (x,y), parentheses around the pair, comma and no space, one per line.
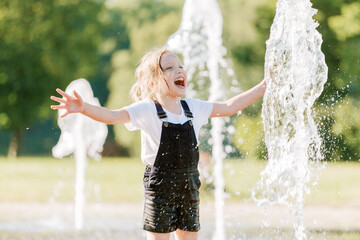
(249,136)
(347,128)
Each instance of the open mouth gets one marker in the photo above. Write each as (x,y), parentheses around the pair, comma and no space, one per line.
(180,82)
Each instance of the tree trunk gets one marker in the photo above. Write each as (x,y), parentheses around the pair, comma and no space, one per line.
(14,144)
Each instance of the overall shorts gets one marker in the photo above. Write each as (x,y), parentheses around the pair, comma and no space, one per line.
(172,183)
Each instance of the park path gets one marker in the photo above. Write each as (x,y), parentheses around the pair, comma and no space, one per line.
(122,221)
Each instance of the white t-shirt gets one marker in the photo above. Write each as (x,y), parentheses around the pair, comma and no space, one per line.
(143,116)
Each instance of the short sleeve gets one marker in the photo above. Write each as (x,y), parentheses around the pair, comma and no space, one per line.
(201,110)
(139,113)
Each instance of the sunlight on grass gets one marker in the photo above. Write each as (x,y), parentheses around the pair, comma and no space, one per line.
(41,179)
(32,179)
(338,183)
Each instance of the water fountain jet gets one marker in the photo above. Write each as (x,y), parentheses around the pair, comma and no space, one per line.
(82,137)
(295,73)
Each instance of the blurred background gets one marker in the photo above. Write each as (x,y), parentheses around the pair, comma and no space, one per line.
(47,44)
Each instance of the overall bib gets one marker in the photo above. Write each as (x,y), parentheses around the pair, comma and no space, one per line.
(172,183)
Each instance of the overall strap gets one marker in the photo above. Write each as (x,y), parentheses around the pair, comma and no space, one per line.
(160,111)
(186,108)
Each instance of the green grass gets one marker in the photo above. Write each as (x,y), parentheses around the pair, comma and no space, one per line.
(40,179)
(31,179)
(338,183)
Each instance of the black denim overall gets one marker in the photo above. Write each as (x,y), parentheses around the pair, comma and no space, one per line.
(172,183)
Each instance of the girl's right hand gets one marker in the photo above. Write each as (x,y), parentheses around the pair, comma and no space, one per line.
(69,103)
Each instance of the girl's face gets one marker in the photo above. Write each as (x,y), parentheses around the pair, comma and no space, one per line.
(175,77)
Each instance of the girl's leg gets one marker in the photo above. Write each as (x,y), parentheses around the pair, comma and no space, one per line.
(157,236)
(185,235)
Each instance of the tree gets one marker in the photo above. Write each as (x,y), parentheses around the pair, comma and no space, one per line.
(44,44)
(346,27)
(346,127)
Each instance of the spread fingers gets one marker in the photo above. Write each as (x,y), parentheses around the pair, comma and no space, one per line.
(64,94)
(60,100)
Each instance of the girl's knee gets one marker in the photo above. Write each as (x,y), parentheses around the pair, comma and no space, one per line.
(157,236)
(185,235)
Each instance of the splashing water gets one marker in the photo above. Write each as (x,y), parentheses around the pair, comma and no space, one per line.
(199,40)
(82,137)
(299,72)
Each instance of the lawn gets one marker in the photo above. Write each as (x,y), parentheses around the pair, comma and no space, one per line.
(338,183)
(42,179)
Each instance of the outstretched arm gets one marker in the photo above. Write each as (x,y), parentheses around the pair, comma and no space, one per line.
(239,102)
(75,104)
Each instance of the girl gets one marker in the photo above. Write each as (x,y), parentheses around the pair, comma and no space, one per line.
(169,132)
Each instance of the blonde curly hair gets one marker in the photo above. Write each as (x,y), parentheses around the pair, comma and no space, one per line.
(148,74)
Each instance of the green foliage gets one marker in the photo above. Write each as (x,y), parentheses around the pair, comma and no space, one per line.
(346,25)
(114,37)
(347,125)
(249,136)
(339,128)
(347,30)
(331,48)
(120,84)
(246,44)
(44,45)
(339,22)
